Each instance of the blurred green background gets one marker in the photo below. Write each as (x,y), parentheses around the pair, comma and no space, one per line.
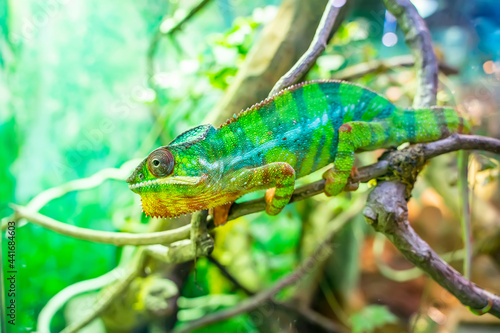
(77,96)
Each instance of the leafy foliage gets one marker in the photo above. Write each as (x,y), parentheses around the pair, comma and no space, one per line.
(370,318)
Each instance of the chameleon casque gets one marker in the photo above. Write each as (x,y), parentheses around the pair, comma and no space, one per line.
(299,130)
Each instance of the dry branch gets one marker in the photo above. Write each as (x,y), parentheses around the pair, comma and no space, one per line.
(110,294)
(317,47)
(383,65)
(418,39)
(388,212)
(387,208)
(107,237)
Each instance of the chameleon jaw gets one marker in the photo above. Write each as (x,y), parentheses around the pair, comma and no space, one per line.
(169,206)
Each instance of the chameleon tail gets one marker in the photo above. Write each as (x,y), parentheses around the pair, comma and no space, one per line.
(426,124)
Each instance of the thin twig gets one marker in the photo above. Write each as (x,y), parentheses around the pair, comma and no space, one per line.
(307,314)
(317,47)
(87,183)
(62,297)
(320,254)
(399,275)
(383,65)
(43,198)
(153,49)
(153,46)
(411,273)
(465,218)
(311,316)
(229,276)
(109,295)
(418,39)
(107,237)
(116,290)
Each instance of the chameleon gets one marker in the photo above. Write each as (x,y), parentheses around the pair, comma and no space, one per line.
(299,130)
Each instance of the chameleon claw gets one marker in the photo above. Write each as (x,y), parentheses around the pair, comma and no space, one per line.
(338,181)
(480,312)
(352,184)
(270,208)
(269,195)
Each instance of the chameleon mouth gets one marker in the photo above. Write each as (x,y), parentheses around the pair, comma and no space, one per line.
(179,180)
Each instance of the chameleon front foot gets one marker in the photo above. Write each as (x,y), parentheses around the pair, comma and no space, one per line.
(338,181)
(277,177)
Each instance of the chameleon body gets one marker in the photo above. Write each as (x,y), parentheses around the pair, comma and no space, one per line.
(299,130)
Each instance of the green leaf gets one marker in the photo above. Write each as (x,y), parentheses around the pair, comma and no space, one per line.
(371,317)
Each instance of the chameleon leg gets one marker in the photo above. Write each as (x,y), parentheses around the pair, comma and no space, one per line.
(352,136)
(278,178)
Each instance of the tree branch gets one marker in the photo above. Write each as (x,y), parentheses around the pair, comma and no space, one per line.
(387,212)
(383,65)
(387,209)
(44,197)
(229,276)
(109,295)
(107,237)
(57,302)
(317,47)
(418,39)
(153,46)
(281,44)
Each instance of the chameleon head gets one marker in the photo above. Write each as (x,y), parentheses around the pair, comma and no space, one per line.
(179,178)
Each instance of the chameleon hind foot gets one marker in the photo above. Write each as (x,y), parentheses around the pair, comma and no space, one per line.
(338,181)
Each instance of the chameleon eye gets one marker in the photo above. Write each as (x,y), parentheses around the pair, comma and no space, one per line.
(161,162)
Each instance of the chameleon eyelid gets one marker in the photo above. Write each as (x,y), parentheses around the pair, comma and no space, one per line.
(161,162)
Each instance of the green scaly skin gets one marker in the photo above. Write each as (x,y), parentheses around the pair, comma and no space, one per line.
(299,130)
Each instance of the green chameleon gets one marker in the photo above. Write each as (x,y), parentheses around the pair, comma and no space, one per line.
(268,146)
